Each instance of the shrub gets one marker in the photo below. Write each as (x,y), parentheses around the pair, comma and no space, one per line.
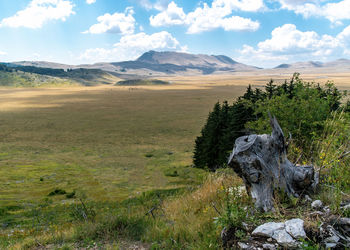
(70,195)
(301,108)
(57,191)
(301,111)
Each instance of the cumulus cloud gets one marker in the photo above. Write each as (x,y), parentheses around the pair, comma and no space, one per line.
(132,46)
(242,5)
(158,5)
(334,12)
(287,43)
(207,17)
(344,38)
(90,1)
(287,39)
(123,23)
(39,12)
(2,53)
(173,15)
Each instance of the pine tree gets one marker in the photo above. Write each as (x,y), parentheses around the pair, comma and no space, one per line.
(270,89)
(206,145)
(249,94)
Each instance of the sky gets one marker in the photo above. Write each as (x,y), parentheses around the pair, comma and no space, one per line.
(262,33)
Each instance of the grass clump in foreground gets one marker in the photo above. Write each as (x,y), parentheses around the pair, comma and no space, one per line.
(184,218)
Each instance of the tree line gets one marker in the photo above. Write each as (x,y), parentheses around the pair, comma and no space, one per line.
(300,107)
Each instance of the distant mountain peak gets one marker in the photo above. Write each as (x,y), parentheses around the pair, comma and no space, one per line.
(300,65)
(187,59)
(147,57)
(283,66)
(225,59)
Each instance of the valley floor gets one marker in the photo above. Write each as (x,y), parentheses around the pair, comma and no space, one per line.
(106,143)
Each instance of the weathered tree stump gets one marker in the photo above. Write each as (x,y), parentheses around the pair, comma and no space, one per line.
(261,160)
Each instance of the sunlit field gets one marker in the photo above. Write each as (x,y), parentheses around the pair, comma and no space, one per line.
(108,142)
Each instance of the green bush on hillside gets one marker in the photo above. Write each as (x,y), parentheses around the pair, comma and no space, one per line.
(300,107)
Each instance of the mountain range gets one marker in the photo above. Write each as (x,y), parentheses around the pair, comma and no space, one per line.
(152,64)
(158,63)
(340,64)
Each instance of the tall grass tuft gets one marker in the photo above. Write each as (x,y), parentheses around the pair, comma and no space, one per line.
(188,221)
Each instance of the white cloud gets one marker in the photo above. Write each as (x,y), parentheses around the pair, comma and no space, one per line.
(158,5)
(39,12)
(161,5)
(210,17)
(344,38)
(288,40)
(2,53)
(242,5)
(287,43)
(146,4)
(204,19)
(334,12)
(123,23)
(90,1)
(132,46)
(173,15)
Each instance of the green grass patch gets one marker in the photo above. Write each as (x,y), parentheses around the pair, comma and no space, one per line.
(94,143)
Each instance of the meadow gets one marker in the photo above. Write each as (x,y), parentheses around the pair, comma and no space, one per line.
(106,143)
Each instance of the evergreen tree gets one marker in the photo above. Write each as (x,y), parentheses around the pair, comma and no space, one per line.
(270,89)
(206,154)
(300,107)
(249,94)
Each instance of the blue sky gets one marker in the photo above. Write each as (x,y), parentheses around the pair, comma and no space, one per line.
(263,33)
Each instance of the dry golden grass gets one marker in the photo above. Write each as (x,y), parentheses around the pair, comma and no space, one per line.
(191,214)
(95,139)
(185,211)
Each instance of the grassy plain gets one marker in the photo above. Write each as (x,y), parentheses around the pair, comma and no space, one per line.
(109,142)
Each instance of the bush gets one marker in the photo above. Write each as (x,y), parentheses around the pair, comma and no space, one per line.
(70,195)
(57,191)
(301,108)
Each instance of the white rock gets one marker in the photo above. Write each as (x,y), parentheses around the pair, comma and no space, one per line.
(245,226)
(332,239)
(307,198)
(284,239)
(346,207)
(344,221)
(269,246)
(330,245)
(295,228)
(317,204)
(267,229)
(243,245)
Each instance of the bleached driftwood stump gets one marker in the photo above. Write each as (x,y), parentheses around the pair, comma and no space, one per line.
(261,160)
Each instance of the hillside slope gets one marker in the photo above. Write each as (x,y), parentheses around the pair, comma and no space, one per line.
(16,75)
(16,78)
